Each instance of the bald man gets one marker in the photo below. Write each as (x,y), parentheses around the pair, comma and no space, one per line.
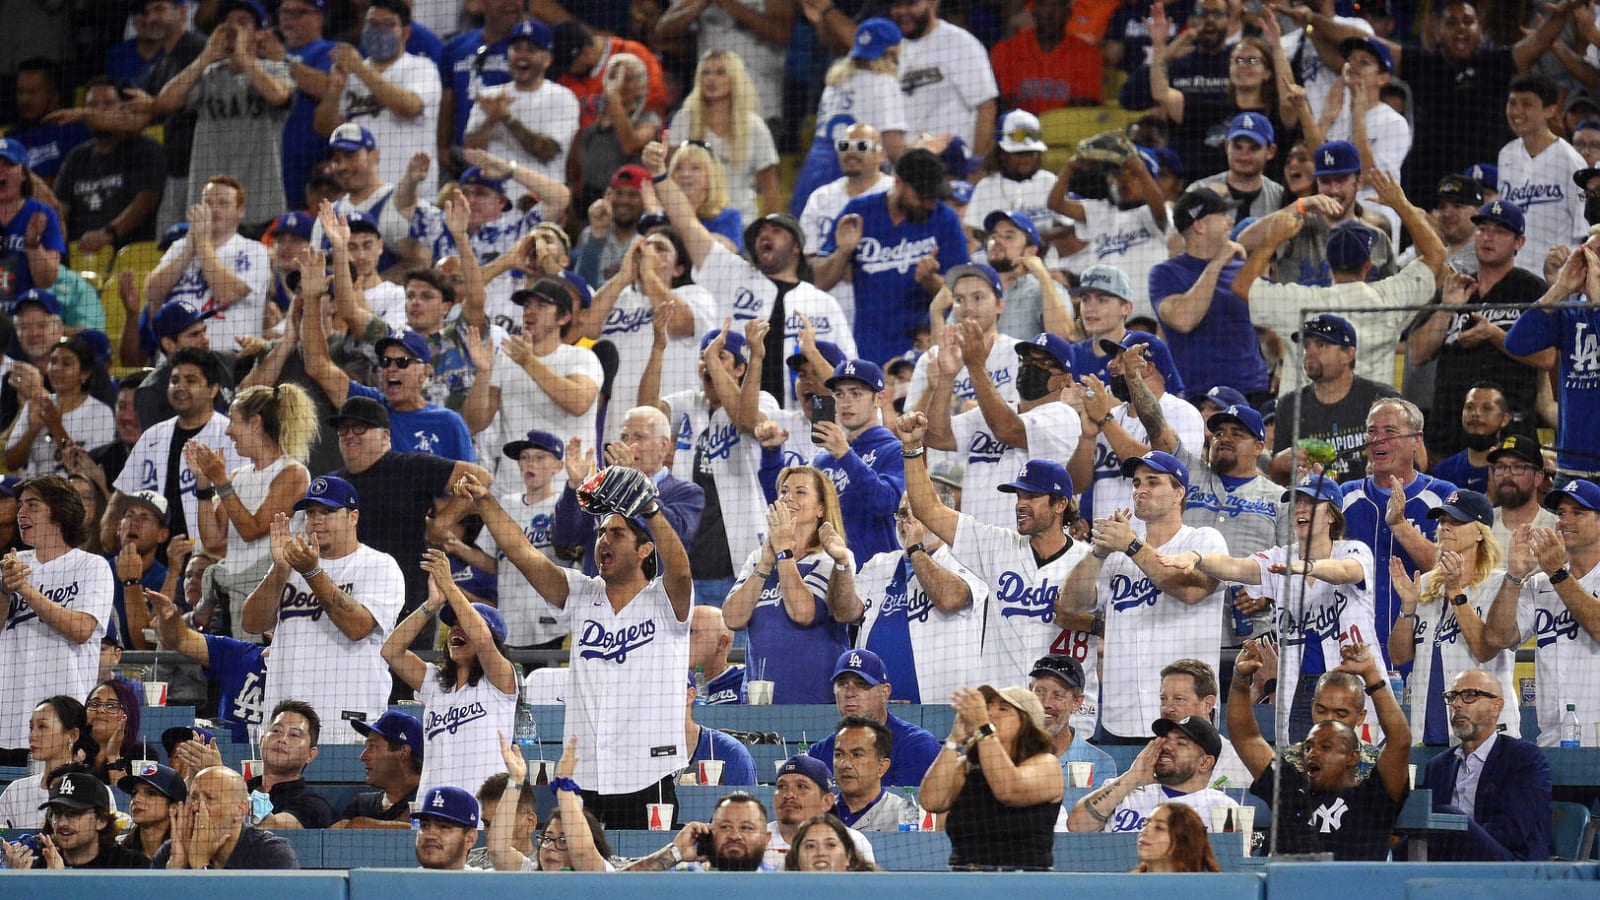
(209,831)
(709,642)
(862,164)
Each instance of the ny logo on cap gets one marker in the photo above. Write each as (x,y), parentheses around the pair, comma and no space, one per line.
(66,787)
(855,661)
(438,800)
(1327,157)
(320,486)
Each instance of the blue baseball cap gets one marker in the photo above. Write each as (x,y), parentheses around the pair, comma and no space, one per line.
(1584,493)
(1465,506)
(961,191)
(1156,351)
(1504,213)
(535,31)
(1059,348)
(975,270)
(1371,45)
(474,175)
(1244,415)
(1337,158)
(491,618)
(362,222)
(1486,174)
(164,780)
(1254,126)
(1240,226)
(810,767)
(329,491)
(352,137)
(1170,161)
(874,37)
(1151,164)
(1159,460)
(98,342)
(449,803)
(8,485)
(409,341)
(535,440)
(1022,220)
(861,662)
(1328,327)
(576,283)
(1317,487)
(1107,280)
(1040,476)
(250,6)
(45,300)
(1225,396)
(294,222)
(735,344)
(864,371)
(829,350)
(177,316)
(14,151)
(397,727)
(1349,245)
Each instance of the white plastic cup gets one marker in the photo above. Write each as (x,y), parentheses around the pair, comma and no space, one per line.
(1080,774)
(1244,819)
(1220,816)
(155,693)
(251,768)
(710,771)
(1413,775)
(760,693)
(139,765)
(660,816)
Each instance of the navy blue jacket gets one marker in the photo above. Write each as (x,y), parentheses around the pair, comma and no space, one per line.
(1511,814)
(680,501)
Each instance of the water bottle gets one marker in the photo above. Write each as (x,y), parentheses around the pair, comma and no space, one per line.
(1571,731)
(910,813)
(701,686)
(526,733)
(1241,620)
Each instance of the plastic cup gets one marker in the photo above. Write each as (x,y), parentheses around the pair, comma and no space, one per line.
(139,765)
(251,768)
(1223,819)
(760,693)
(710,771)
(1080,774)
(155,693)
(1597,734)
(1413,776)
(660,816)
(1244,819)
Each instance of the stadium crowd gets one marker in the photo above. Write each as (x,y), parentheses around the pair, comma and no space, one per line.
(356,347)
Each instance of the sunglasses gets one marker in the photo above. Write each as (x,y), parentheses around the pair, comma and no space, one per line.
(401,362)
(1018,135)
(860,145)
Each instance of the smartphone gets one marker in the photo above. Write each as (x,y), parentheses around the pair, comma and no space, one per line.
(822,410)
(702,842)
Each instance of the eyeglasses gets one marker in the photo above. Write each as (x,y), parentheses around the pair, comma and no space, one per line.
(859,145)
(1509,469)
(1250,61)
(102,706)
(401,362)
(1018,135)
(557,843)
(357,430)
(1468,696)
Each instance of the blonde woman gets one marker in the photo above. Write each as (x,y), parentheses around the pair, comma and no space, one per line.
(703,180)
(861,88)
(796,589)
(273,429)
(721,113)
(1442,611)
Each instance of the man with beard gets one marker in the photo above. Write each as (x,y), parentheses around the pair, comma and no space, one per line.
(768,286)
(860,161)
(613,225)
(80,829)
(737,835)
(1202,77)
(1175,767)
(447,827)
(1129,230)
(1016,181)
(1516,479)
(893,246)
(944,71)
(531,121)
(1333,407)
(1033,302)
(1468,336)
(110,185)
(1252,143)
(1484,418)
(804,790)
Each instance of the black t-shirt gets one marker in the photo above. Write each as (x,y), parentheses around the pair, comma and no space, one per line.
(396,493)
(174,492)
(298,800)
(97,187)
(370,805)
(118,857)
(1342,424)
(178,133)
(1203,81)
(1461,367)
(256,849)
(1461,104)
(1354,823)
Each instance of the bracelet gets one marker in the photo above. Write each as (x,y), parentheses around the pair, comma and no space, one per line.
(204,493)
(223,491)
(1300,206)
(1373,689)
(914,549)
(130,582)
(660,178)
(762,575)
(912,453)
(1104,419)
(952,746)
(782,555)
(564,784)
(311,574)
(1519,581)
(845,566)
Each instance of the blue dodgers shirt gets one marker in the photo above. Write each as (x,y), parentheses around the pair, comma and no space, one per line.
(431,429)
(240,670)
(1575,333)
(1364,507)
(473,65)
(15,276)
(869,480)
(1222,349)
(913,751)
(889,302)
(797,660)
(738,766)
(303,147)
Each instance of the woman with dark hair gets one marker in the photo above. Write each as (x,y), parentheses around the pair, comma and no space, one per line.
(654,280)
(472,689)
(823,844)
(34,243)
(573,840)
(999,779)
(113,709)
(58,733)
(1174,840)
(1323,590)
(153,792)
(65,416)
(94,506)
(61,601)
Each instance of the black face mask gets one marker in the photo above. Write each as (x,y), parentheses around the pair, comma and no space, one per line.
(1591,211)
(1033,382)
(1119,388)
(1482,441)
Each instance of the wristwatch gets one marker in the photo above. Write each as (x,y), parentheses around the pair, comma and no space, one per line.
(1134,546)
(983,731)
(782,555)
(1458,600)
(914,549)
(1560,575)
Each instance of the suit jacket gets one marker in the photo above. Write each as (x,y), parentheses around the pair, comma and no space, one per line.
(1511,813)
(680,501)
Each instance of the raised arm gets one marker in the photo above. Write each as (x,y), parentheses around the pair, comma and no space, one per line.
(545,576)
(1183,312)
(925,503)
(697,240)
(1394,760)
(1243,730)
(502,674)
(406,665)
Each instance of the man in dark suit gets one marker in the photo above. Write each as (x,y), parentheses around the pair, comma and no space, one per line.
(645,443)
(1501,783)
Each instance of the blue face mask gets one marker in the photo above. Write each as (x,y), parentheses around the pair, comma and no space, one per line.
(380,44)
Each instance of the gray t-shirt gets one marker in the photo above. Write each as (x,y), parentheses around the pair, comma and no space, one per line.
(238,133)
(1250,517)
(1304,258)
